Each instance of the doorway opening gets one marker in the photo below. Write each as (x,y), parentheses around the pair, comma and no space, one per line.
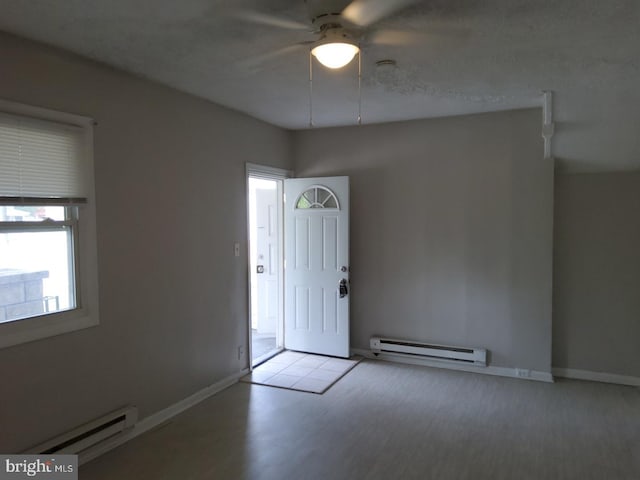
(265,266)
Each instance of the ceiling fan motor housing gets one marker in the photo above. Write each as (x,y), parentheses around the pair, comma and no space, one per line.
(319,8)
(332,33)
(326,14)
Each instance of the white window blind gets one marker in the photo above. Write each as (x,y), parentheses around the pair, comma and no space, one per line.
(40,160)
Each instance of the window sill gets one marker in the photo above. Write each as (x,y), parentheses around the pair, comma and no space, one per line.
(26,330)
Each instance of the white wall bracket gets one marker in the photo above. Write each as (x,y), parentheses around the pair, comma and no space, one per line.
(548,127)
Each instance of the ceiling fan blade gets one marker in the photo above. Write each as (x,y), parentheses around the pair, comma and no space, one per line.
(258,60)
(402,38)
(396,38)
(365,12)
(269,20)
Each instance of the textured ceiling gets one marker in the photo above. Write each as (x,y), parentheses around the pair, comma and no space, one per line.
(465,56)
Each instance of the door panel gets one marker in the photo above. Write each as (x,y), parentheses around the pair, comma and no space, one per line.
(317,249)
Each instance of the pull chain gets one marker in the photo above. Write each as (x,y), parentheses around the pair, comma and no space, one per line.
(310,90)
(360,87)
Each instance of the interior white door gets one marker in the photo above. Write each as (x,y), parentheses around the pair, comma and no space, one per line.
(316,222)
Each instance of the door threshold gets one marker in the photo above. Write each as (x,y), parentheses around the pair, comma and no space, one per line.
(266,356)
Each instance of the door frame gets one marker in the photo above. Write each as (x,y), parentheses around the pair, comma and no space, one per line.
(278,174)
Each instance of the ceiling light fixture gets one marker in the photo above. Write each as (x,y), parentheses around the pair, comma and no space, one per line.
(335,49)
(335,55)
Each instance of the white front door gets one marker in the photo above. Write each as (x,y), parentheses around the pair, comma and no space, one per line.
(316,223)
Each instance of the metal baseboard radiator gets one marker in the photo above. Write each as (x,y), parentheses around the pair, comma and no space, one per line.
(473,356)
(89,434)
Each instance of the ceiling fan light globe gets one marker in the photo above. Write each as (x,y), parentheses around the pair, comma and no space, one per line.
(336,54)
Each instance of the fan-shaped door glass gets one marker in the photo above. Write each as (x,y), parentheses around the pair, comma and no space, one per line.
(317,196)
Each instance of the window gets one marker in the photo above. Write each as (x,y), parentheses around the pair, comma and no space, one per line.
(317,196)
(36,247)
(48,272)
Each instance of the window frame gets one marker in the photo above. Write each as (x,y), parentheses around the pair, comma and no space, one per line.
(85,268)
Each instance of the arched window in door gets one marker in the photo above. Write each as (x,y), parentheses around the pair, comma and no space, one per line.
(317,196)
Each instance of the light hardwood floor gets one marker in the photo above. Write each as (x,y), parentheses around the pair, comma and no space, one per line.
(391,421)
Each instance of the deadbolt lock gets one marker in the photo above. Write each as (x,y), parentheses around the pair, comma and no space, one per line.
(343,290)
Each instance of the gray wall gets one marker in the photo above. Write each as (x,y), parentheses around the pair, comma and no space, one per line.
(596,323)
(170,186)
(451,230)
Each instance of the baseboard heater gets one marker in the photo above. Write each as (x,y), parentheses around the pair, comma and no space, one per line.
(89,434)
(473,356)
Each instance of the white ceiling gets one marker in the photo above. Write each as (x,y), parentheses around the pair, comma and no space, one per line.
(467,56)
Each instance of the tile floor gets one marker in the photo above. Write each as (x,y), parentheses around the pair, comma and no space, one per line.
(300,371)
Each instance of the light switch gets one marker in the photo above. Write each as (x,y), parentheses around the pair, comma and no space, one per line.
(236,249)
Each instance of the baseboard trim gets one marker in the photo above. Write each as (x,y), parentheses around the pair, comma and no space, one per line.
(489,370)
(158,418)
(596,376)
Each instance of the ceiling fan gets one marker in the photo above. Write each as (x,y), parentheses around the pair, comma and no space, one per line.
(339,26)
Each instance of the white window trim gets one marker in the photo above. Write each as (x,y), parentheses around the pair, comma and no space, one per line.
(87,313)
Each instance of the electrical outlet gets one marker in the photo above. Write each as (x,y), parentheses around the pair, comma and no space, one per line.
(523,373)
(240,352)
